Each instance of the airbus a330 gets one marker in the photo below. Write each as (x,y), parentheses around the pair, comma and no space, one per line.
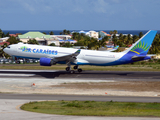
(49,55)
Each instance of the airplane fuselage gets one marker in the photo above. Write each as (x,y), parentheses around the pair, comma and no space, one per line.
(86,57)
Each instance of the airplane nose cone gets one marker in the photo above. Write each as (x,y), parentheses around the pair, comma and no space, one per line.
(5,50)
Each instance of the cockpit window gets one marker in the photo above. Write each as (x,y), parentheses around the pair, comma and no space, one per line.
(8,47)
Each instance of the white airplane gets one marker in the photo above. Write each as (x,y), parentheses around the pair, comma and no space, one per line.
(49,55)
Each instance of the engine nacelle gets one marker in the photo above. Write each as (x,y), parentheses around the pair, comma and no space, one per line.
(47,62)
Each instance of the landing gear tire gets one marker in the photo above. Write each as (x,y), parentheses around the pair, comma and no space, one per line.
(68,68)
(72,71)
(75,67)
(79,70)
(18,62)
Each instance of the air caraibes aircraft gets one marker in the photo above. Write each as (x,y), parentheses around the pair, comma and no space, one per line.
(52,55)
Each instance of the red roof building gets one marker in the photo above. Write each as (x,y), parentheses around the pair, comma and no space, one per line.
(2,43)
(14,35)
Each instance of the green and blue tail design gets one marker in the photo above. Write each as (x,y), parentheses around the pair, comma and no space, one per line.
(142,46)
(138,51)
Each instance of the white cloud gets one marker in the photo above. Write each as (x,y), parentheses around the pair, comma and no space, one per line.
(34,6)
(100,6)
(29,7)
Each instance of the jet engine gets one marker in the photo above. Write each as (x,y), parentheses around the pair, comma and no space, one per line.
(47,62)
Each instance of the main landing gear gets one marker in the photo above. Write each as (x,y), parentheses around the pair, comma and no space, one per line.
(72,71)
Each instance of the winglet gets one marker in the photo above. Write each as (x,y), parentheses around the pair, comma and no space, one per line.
(116,47)
(78,51)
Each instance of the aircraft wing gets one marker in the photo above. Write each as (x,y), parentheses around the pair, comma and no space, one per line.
(151,55)
(70,57)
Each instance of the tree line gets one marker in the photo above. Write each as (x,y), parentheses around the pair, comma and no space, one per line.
(89,42)
(64,32)
(2,34)
(127,40)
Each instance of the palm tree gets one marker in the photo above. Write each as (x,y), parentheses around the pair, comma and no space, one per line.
(102,43)
(64,31)
(135,38)
(1,32)
(140,34)
(115,40)
(68,32)
(115,32)
(2,53)
(32,41)
(13,40)
(155,48)
(44,33)
(51,33)
(111,32)
(129,40)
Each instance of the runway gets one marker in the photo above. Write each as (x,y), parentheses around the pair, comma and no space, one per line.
(78,97)
(22,79)
(101,75)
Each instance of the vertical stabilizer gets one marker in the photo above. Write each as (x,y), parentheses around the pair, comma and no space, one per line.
(142,46)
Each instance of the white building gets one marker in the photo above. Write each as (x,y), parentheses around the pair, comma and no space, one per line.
(4,39)
(61,37)
(93,34)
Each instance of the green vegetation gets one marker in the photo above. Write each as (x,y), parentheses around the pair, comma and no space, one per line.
(51,33)
(65,32)
(94,44)
(3,35)
(152,65)
(52,44)
(126,40)
(90,43)
(92,108)
(2,53)
(66,44)
(32,41)
(13,40)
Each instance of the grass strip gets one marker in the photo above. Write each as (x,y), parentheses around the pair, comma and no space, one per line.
(92,108)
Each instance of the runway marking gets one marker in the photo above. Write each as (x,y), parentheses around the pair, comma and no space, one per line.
(18,106)
(29,70)
(3,74)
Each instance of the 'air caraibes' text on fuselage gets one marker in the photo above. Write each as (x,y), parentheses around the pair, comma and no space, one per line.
(42,51)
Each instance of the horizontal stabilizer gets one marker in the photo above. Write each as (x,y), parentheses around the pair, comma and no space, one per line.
(137,58)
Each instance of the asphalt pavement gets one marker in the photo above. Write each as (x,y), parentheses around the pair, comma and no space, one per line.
(104,75)
(10,103)
(78,97)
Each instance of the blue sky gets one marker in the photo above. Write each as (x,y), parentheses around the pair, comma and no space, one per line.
(79,14)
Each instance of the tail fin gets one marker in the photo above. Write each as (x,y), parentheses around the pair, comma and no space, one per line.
(142,46)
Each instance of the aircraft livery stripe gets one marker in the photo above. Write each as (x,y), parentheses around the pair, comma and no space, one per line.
(110,56)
